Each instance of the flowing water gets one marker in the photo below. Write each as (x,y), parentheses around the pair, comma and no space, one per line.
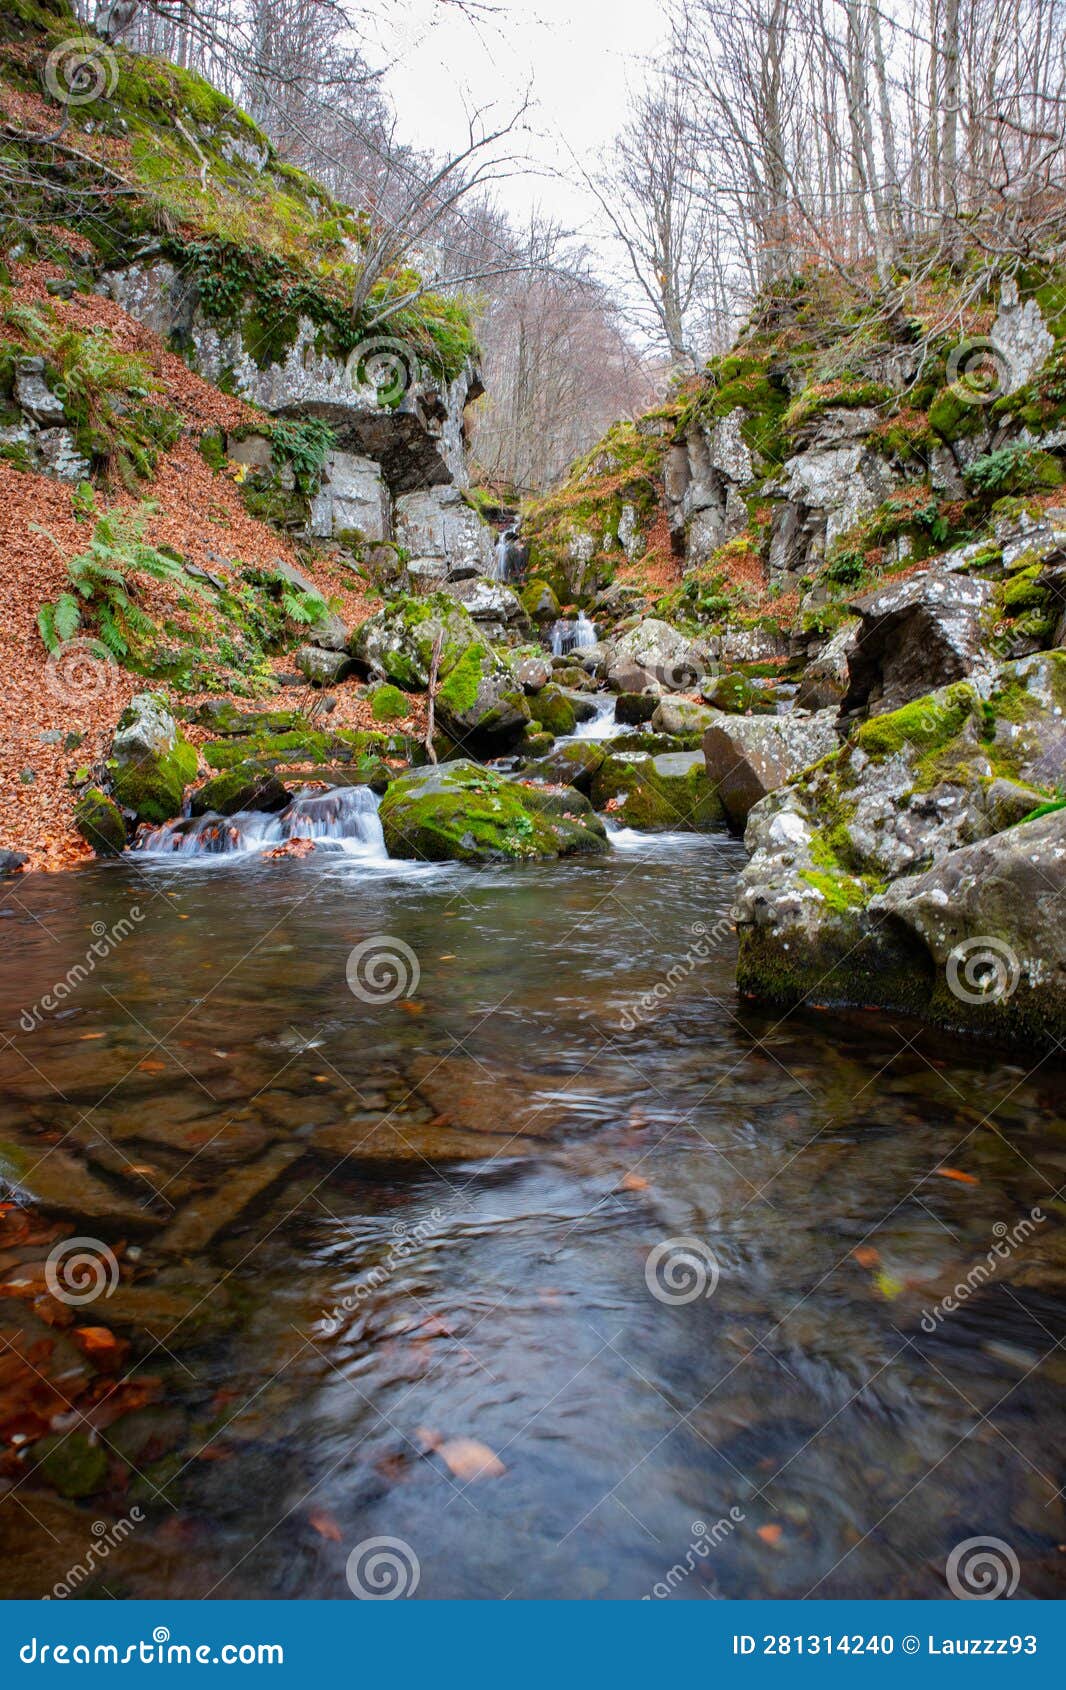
(391,1157)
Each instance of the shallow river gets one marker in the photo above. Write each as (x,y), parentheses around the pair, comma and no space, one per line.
(401,1260)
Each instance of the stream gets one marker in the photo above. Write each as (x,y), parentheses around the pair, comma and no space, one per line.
(395,1152)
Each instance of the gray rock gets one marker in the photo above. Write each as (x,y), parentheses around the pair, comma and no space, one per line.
(320,667)
(487,601)
(1023,337)
(913,636)
(352,496)
(824,681)
(35,397)
(750,756)
(654,652)
(437,522)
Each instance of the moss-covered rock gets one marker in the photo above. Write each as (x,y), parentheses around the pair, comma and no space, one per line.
(569,765)
(481,702)
(553,710)
(539,602)
(668,793)
(399,641)
(388,703)
(151,762)
(101,823)
(470,814)
(247,786)
(71,1463)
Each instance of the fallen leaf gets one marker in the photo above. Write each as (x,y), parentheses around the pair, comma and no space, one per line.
(325,1525)
(149,1066)
(470,1460)
(410,1007)
(866,1255)
(769,1534)
(957,1173)
(632,1182)
(888,1285)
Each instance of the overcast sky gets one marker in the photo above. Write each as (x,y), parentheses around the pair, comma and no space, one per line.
(576,58)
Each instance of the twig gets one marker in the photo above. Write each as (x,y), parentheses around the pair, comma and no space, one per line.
(432,694)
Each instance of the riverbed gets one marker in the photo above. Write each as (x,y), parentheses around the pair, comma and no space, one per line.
(521,1241)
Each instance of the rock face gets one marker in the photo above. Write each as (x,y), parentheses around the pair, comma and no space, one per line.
(862,873)
(471,814)
(825,680)
(914,635)
(399,461)
(748,756)
(151,762)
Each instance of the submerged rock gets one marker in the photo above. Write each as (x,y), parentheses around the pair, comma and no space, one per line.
(463,811)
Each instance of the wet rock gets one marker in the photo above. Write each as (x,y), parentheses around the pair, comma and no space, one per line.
(554,711)
(748,756)
(666,793)
(71,1462)
(101,823)
(62,1185)
(569,765)
(634,708)
(206,1215)
(12,861)
(463,811)
(824,904)
(540,603)
(679,716)
(248,786)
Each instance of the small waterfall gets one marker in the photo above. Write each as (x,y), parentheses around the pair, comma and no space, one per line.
(603,724)
(346,816)
(572,634)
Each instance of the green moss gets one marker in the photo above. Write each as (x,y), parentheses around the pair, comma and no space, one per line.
(101,823)
(553,711)
(470,814)
(153,787)
(388,704)
(1024,591)
(926,723)
(841,892)
(459,692)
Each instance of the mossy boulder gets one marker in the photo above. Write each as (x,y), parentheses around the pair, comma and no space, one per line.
(668,793)
(539,602)
(461,811)
(388,703)
(740,695)
(247,786)
(574,765)
(305,745)
(481,702)
(399,641)
(553,710)
(151,762)
(101,823)
(71,1463)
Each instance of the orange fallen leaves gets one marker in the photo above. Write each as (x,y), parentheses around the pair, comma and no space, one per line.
(957,1174)
(769,1534)
(325,1525)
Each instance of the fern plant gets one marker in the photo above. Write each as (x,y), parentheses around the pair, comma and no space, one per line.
(101,599)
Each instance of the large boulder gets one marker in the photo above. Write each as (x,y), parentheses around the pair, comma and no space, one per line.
(678,716)
(495,608)
(915,635)
(664,793)
(481,703)
(398,643)
(856,870)
(352,499)
(465,812)
(654,653)
(437,523)
(151,763)
(748,756)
